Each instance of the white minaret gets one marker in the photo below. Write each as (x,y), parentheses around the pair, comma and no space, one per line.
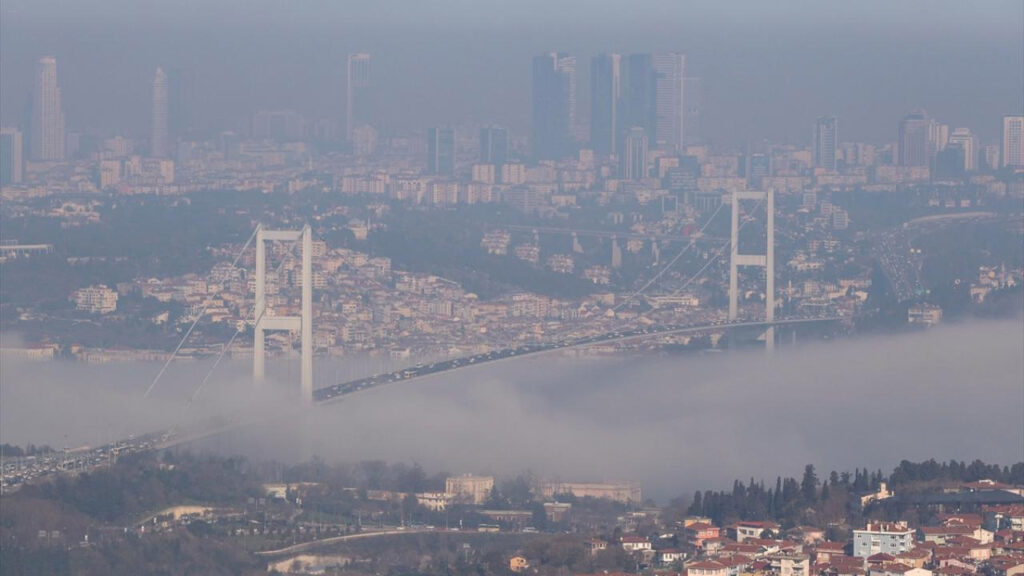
(265,322)
(766,260)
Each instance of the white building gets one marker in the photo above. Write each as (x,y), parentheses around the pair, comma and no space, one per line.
(473,489)
(1013,141)
(884,537)
(95,299)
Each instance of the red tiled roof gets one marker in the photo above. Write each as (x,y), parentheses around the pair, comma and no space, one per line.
(705,565)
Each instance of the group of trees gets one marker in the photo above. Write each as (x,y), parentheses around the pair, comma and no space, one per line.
(12,451)
(809,500)
(789,502)
(139,484)
(953,471)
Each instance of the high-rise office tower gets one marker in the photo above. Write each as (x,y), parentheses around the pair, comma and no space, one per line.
(693,97)
(441,151)
(670,69)
(1013,141)
(641,95)
(494,146)
(964,141)
(11,160)
(915,137)
(605,100)
(358,81)
(554,105)
(282,125)
(47,119)
(634,154)
(159,141)
(826,140)
(181,103)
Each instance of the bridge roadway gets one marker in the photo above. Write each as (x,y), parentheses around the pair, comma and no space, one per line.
(327,394)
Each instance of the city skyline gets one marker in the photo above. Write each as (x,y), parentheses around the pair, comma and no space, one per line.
(512,287)
(492,83)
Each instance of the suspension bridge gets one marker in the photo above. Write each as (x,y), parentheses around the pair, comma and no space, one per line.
(263,321)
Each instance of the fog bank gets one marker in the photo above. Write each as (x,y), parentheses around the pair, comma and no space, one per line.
(674,424)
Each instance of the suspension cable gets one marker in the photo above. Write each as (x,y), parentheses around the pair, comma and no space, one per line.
(199,317)
(670,263)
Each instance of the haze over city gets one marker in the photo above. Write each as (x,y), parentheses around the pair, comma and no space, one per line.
(492,288)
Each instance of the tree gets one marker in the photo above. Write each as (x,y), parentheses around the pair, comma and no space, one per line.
(809,485)
(697,507)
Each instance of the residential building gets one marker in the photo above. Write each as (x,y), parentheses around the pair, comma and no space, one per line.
(882,537)
(826,140)
(915,140)
(790,564)
(634,155)
(95,299)
(618,491)
(12,160)
(494,146)
(635,543)
(470,488)
(441,151)
(1013,141)
(698,532)
(707,568)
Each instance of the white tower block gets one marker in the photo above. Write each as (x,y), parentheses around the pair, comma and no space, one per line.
(266,322)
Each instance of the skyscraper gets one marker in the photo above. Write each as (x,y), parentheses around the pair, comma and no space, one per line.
(826,140)
(441,151)
(554,105)
(634,154)
(693,97)
(964,141)
(1013,141)
(159,141)
(11,160)
(47,119)
(605,100)
(494,146)
(641,95)
(915,136)
(670,69)
(357,88)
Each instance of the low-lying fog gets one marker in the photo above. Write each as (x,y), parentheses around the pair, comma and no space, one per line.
(674,424)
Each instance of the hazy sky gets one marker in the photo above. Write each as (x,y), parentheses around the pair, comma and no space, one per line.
(769,67)
(674,424)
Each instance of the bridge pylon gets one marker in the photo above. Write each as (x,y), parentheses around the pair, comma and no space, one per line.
(302,323)
(766,260)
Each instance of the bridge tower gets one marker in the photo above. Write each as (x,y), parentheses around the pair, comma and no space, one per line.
(302,323)
(766,260)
